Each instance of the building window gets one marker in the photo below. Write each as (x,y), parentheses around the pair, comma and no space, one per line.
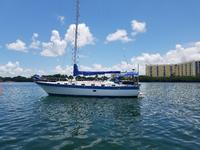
(150,71)
(178,70)
(196,68)
(171,71)
(182,69)
(157,70)
(164,72)
(199,69)
(175,70)
(186,69)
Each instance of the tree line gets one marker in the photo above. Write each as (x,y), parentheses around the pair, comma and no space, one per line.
(55,77)
(60,77)
(170,79)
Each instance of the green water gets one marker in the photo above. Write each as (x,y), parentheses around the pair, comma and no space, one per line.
(166,117)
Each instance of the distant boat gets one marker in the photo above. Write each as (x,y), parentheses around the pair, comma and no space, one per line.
(116,88)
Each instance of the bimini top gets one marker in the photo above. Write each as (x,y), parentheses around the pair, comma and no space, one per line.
(76,72)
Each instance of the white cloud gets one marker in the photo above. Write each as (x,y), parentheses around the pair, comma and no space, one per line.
(147,58)
(56,46)
(123,66)
(197,44)
(38,72)
(17,46)
(14,69)
(82,56)
(94,67)
(61,19)
(69,69)
(35,44)
(60,70)
(119,35)
(85,37)
(138,27)
(179,55)
(122,35)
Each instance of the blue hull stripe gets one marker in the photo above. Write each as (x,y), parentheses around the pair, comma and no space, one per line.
(91,87)
(97,96)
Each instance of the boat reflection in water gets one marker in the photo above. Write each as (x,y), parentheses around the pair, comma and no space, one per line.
(78,121)
(90,108)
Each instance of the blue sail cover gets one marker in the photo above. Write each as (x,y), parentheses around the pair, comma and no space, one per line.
(129,74)
(76,72)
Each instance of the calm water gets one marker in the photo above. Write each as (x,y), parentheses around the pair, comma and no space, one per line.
(167,117)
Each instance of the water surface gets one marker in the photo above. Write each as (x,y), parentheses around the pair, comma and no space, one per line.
(166,117)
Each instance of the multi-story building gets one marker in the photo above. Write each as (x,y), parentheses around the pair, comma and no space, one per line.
(167,70)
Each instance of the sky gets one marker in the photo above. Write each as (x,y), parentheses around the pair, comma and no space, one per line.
(37,36)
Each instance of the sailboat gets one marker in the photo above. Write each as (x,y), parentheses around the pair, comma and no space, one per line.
(110,88)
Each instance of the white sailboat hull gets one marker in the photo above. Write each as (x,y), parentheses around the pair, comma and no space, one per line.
(80,88)
(75,90)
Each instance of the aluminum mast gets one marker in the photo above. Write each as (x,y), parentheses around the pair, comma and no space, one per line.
(76,32)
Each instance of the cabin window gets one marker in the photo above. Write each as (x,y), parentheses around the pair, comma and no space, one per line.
(73,84)
(92,84)
(103,85)
(94,90)
(83,84)
(113,85)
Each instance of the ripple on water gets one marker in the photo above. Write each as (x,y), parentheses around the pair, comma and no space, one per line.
(166,116)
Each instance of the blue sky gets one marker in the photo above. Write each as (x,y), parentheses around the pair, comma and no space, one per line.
(170,32)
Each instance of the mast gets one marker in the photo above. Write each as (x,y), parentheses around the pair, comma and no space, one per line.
(76,32)
(76,71)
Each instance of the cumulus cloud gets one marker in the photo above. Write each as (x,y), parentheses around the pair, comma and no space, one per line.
(122,35)
(61,19)
(178,55)
(56,46)
(122,66)
(63,70)
(69,69)
(138,27)
(82,56)
(35,44)
(19,45)
(14,69)
(119,35)
(85,37)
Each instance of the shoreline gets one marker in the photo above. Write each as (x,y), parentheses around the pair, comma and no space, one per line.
(142,78)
